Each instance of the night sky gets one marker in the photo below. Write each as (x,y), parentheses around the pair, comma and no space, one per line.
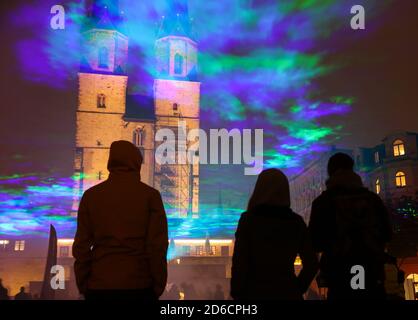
(382,73)
(377,68)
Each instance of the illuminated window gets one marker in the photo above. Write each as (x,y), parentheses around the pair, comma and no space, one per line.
(64,251)
(101,101)
(376,157)
(197,250)
(178,64)
(400,179)
(398,148)
(413,278)
(103,57)
(3,244)
(377,186)
(20,245)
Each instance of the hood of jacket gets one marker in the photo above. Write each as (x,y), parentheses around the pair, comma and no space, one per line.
(124,157)
(345,179)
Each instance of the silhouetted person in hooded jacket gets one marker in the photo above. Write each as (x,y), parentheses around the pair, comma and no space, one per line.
(268,239)
(121,242)
(349,226)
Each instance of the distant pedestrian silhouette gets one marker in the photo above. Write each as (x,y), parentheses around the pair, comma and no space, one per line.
(349,225)
(121,242)
(22,295)
(268,239)
(3,291)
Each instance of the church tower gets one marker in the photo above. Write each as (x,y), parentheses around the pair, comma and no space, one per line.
(102,96)
(177,96)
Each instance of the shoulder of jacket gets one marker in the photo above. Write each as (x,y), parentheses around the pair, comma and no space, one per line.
(244,216)
(151,191)
(95,188)
(322,197)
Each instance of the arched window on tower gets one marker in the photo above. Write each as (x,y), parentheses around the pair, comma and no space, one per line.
(139,141)
(178,64)
(101,100)
(398,148)
(139,137)
(400,179)
(176,110)
(103,57)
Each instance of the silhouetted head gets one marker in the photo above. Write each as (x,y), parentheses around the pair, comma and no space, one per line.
(340,161)
(124,157)
(272,188)
(22,289)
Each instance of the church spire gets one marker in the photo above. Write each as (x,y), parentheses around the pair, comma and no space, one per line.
(105,48)
(176,21)
(104,14)
(176,50)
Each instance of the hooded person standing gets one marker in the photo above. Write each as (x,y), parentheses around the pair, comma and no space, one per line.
(267,241)
(350,226)
(121,242)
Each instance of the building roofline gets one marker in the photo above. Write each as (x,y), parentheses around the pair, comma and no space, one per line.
(167,37)
(403,132)
(106,31)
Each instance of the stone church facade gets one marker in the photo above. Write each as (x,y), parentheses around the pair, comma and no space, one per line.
(106,113)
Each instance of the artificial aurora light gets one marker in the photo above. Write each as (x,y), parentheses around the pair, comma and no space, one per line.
(258,64)
(29,203)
